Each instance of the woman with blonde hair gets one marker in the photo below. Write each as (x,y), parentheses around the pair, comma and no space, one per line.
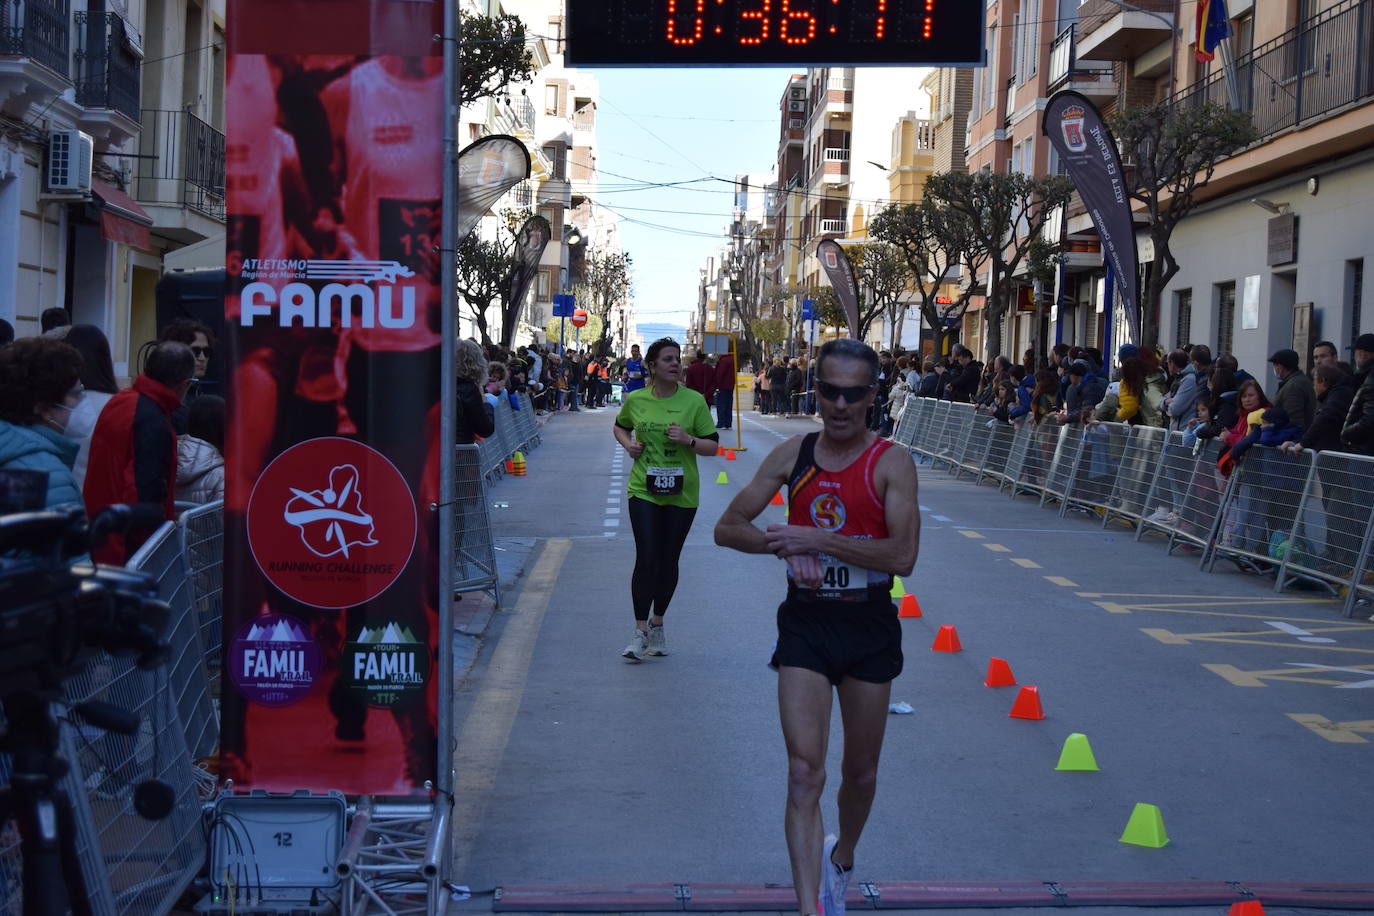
(475,416)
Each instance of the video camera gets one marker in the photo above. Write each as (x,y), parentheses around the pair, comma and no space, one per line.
(56,610)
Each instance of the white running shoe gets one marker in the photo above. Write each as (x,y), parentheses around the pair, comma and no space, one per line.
(658,643)
(639,644)
(834,881)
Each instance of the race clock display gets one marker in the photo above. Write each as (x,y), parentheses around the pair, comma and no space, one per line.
(685,33)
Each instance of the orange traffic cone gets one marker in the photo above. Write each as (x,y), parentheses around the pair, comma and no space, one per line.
(999,674)
(1027,705)
(720,450)
(777,500)
(1246,908)
(910,607)
(729,454)
(947,640)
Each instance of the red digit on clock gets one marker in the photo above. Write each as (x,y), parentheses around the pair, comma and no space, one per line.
(695,27)
(761,14)
(797,32)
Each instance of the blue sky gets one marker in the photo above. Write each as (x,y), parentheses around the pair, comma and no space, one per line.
(675,125)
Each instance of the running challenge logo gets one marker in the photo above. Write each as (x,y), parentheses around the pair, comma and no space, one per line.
(347,290)
(827,512)
(331,522)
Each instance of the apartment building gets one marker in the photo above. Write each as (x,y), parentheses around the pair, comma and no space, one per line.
(108,165)
(554,115)
(1274,255)
(1008,98)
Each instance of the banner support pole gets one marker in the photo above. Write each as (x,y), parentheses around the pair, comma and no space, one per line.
(453,72)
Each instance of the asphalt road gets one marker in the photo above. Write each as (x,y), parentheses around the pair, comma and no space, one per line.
(1244,715)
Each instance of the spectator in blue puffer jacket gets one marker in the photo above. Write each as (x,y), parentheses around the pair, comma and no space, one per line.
(40,386)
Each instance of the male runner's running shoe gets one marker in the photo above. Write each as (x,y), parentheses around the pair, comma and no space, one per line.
(639,644)
(658,643)
(834,881)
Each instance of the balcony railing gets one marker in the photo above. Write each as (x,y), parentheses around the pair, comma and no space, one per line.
(1064,61)
(1322,65)
(833,154)
(523,109)
(38,30)
(832,225)
(107,72)
(189,164)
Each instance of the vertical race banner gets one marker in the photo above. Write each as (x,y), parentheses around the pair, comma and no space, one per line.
(334,149)
(841,274)
(1088,150)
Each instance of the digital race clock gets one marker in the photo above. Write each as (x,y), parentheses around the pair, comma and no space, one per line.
(684,33)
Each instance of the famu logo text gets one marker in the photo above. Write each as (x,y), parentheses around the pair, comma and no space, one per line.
(348,290)
(387,664)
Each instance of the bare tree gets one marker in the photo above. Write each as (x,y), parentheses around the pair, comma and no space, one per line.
(1005,214)
(483,268)
(881,273)
(934,239)
(1175,151)
(603,283)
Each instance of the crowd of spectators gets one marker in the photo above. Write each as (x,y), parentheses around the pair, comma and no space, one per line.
(1186,391)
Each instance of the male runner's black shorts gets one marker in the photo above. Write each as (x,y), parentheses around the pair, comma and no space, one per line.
(839,639)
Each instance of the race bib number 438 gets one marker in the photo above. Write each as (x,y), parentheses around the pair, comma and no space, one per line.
(664,481)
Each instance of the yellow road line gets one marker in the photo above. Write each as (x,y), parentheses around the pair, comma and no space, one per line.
(1170,638)
(481,746)
(1321,676)
(1060,580)
(1339,732)
(1026,564)
(997,548)
(970,534)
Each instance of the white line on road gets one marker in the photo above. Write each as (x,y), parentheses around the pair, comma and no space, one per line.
(1303,635)
(941,518)
(610,523)
(1357,684)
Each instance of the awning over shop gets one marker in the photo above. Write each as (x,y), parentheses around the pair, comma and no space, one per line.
(122,220)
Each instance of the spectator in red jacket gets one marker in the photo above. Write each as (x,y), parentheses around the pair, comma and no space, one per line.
(725,391)
(133,455)
(701,377)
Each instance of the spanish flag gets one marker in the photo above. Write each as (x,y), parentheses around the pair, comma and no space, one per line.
(1213,26)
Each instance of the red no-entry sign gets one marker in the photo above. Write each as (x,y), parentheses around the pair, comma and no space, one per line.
(579,317)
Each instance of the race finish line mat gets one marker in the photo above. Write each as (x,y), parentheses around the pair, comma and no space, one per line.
(913,895)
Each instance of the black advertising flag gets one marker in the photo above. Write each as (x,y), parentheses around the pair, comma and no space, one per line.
(841,275)
(1088,150)
(530,243)
(487,169)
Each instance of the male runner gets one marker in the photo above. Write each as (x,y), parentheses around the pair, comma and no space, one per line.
(853,523)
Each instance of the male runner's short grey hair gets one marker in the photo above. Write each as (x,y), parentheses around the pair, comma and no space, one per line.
(849,348)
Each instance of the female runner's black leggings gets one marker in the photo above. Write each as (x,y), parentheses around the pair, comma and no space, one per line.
(660,532)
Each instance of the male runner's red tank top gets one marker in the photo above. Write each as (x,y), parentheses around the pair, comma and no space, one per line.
(845,502)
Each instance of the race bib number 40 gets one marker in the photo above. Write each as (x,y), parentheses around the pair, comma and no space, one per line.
(664,481)
(840,579)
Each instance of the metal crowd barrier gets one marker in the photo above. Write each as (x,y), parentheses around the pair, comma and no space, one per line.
(516,431)
(132,865)
(1300,518)
(474,549)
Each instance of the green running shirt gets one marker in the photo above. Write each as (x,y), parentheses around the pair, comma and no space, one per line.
(649,417)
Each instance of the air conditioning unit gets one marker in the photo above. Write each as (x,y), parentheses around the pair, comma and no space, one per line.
(69,160)
(798,93)
(796,106)
(794,124)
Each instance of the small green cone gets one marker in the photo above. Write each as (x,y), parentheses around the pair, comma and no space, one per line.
(1146,827)
(1077,755)
(898,589)
(721,478)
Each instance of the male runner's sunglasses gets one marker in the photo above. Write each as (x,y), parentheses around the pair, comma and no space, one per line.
(852,395)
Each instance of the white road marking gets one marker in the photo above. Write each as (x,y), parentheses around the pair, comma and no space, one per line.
(941,518)
(1368,683)
(612,510)
(610,523)
(1303,635)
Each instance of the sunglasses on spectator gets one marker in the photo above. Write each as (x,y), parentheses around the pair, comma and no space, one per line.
(202,352)
(851,395)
